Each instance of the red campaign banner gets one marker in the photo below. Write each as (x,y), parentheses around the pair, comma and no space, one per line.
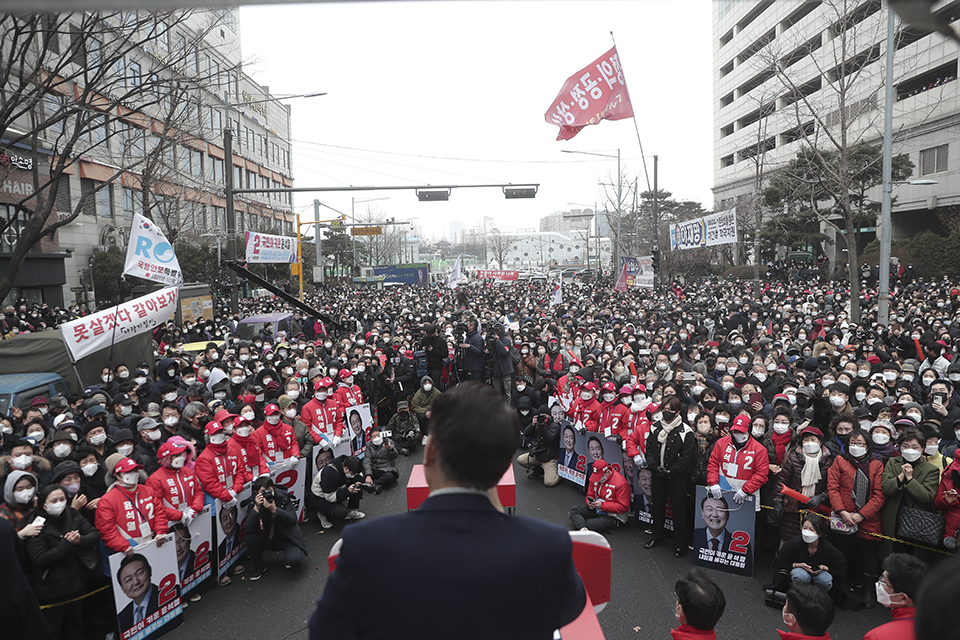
(498,275)
(596,92)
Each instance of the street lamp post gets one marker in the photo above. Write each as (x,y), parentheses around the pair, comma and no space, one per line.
(616,245)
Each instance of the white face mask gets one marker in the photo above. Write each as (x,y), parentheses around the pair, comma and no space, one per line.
(857,451)
(908,377)
(837,401)
(320,395)
(247,415)
(880,438)
(780,427)
(860,396)
(609,397)
(727,386)
(171,372)
(125,449)
(760,376)
(911,455)
(90,469)
(56,508)
(177,462)
(190,380)
(140,380)
(170,421)
(691,417)
(928,381)
(626,400)
(170,397)
(740,438)
(98,439)
(426,387)
(243,432)
(809,536)
(885,599)
(377,441)
(62,450)
(236,379)
(758,432)
(153,434)
(290,413)
(293,394)
(811,447)
(722,419)
(697,390)
(586,395)
(24,496)
(521,387)
(931,449)
(574,369)
(130,479)
(274,419)
(259,397)
(218,438)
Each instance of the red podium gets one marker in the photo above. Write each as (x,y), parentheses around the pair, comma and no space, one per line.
(418,491)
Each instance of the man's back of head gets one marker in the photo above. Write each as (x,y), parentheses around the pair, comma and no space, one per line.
(473,437)
(812,609)
(701,599)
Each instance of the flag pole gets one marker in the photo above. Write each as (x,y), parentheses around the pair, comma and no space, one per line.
(113,336)
(636,127)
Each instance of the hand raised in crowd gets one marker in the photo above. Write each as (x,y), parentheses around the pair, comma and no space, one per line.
(73,537)
(79,501)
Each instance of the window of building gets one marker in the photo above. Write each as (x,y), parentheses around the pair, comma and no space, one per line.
(94,53)
(928,80)
(15,220)
(216,168)
(132,202)
(196,163)
(88,196)
(162,36)
(136,79)
(51,38)
(105,202)
(78,54)
(64,203)
(726,131)
(933,160)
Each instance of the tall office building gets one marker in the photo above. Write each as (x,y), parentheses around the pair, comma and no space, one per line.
(757,128)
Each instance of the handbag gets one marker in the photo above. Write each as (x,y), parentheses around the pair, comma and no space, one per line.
(838,524)
(918,525)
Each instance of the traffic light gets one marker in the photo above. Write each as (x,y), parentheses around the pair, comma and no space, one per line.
(656,259)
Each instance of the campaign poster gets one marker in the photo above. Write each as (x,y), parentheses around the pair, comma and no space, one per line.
(230,530)
(146,590)
(723,532)
(194,546)
(578,452)
(292,477)
(358,423)
(642,483)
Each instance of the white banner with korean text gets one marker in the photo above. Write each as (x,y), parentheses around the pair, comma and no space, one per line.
(262,247)
(706,231)
(94,332)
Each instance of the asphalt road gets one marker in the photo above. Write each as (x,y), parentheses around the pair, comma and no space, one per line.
(277,606)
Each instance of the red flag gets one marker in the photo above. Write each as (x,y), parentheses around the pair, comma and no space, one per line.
(596,92)
(622,280)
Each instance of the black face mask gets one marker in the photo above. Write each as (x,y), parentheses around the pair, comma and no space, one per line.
(802,402)
(669,416)
(709,404)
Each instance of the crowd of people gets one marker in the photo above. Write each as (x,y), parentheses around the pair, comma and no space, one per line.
(845,414)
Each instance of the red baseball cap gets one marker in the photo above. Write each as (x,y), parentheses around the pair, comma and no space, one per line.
(271,409)
(213,427)
(344,373)
(589,386)
(741,423)
(126,465)
(168,449)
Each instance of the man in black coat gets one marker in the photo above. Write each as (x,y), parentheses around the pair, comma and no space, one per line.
(436,349)
(467,550)
(272,525)
(472,351)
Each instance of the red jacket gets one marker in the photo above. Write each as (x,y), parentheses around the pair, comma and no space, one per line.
(277,442)
(686,632)
(247,451)
(619,420)
(750,464)
(176,487)
(219,473)
(900,628)
(120,512)
(347,396)
(946,484)
(615,493)
(637,439)
(840,478)
(322,417)
(586,412)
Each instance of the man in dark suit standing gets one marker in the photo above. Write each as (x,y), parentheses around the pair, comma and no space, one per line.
(134,578)
(468,551)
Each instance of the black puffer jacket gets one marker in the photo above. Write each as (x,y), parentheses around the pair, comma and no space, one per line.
(279,526)
(61,569)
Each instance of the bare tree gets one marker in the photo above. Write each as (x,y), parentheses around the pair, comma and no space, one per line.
(499,244)
(68,93)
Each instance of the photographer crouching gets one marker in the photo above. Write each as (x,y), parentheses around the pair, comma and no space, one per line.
(272,525)
(337,490)
(544,434)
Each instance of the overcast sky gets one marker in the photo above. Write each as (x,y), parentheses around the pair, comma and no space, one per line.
(455,93)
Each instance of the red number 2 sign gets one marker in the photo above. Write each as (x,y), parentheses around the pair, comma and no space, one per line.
(202,555)
(739,542)
(168,589)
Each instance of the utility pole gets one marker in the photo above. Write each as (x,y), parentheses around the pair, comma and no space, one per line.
(319,239)
(231,215)
(656,216)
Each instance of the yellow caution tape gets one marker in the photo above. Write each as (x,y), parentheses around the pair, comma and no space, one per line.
(86,595)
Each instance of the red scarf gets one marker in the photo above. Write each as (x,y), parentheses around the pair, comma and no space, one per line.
(780,442)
